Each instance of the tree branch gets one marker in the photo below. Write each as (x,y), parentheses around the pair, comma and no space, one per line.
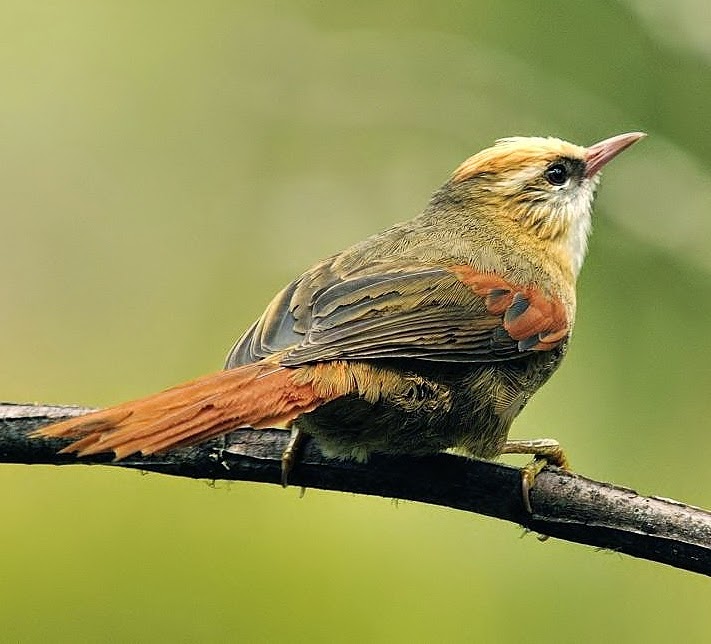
(565,506)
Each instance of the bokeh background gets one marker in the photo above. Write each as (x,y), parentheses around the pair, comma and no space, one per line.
(166,167)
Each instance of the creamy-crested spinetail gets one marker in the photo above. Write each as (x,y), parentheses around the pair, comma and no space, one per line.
(430,336)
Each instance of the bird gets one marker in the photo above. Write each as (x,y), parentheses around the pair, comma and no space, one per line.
(428,337)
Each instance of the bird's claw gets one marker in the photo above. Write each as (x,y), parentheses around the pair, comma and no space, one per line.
(288,456)
(546,451)
(529,473)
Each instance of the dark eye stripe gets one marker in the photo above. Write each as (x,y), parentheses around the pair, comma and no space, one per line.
(562,168)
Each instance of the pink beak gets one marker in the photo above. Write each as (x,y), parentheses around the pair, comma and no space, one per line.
(600,153)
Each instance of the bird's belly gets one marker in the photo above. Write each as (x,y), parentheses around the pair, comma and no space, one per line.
(430,407)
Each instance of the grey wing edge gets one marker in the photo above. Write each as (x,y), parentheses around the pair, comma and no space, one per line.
(270,334)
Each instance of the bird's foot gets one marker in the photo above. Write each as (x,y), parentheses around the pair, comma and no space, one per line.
(545,451)
(290,454)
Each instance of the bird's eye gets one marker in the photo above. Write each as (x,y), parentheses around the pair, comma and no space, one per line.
(556,174)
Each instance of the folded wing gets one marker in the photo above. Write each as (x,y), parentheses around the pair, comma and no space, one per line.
(388,310)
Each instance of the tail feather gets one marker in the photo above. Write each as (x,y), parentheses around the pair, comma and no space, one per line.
(257,395)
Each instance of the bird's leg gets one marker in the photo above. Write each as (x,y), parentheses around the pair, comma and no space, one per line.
(545,451)
(288,456)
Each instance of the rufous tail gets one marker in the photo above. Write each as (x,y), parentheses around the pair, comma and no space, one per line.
(256,395)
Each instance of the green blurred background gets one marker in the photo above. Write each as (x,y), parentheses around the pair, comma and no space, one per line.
(166,167)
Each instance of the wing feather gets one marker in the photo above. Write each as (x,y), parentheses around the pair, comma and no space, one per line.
(395,311)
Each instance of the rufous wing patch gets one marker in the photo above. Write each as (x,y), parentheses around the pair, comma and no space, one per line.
(537,321)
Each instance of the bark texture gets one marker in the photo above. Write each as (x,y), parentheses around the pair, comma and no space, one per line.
(565,506)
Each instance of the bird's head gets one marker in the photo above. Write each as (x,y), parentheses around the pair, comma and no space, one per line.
(543,186)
